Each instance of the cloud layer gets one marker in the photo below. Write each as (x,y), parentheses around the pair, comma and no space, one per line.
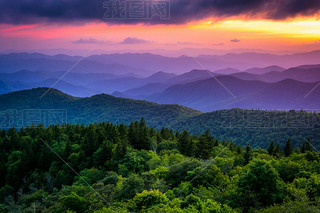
(181,11)
(133,40)
(235,40)
(88,41)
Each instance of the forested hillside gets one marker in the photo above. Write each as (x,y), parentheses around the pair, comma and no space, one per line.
(117,168)
(98,108)
(255,126)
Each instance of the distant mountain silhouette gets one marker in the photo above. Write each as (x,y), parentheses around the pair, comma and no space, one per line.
(126,83)
(155,82)
(284,95)
(265,70)
(71,77)
(71,89)
(145,64)
(227,71)
(302,73)
(144,91)
(243,61)
(41,62)
(208,95)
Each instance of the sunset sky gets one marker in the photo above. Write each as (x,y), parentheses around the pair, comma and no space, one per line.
(275,25)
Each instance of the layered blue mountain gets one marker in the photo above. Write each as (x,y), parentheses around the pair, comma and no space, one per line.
(139,76)
(243,125)
(227,92)
(39,62)
(305,73)
(145,63)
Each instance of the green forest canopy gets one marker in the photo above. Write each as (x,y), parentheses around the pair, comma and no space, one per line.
(117,168)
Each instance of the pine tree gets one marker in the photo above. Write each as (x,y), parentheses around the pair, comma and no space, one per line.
(306,146)
(288,149)
(144,139)
(247,155)
(123,132)
(133,134)
(232,146)
(103,154)
(152,132)
(68,149)
(90,143)
(190,147)
(183,142)
(271,148)
(239,150)
(165,133)
(177,134)
(277,151)
(119,151)
(205,146)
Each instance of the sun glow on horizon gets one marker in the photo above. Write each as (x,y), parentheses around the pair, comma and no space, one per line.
(304,28)
(229,33)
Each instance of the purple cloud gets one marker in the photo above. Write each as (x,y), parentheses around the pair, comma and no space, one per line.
(218,44)
(235,40)
(133,40)
(88,41)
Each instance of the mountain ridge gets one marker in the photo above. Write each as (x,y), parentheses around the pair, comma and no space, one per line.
(225,124)
(97,108)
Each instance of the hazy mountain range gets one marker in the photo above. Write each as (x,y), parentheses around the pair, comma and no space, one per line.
(227,85)
(146,63)
(226,92)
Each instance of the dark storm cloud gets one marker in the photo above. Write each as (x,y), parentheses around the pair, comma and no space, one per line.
(181,11)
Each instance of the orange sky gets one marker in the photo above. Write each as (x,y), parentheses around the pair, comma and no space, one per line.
(296,35)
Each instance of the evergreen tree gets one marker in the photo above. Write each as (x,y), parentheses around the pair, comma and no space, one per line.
(271,148)
(119,151)
(247,155)
(152,132)
(183,142)
(123,132)
(232,146)
(90,142)
(144,141)
(68,149)
(132,134)
(239,150)
(103,154)
(165,133)
(205,146)
(177,134)
(277,151)
(190,148)
(306,146)
(288,149)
